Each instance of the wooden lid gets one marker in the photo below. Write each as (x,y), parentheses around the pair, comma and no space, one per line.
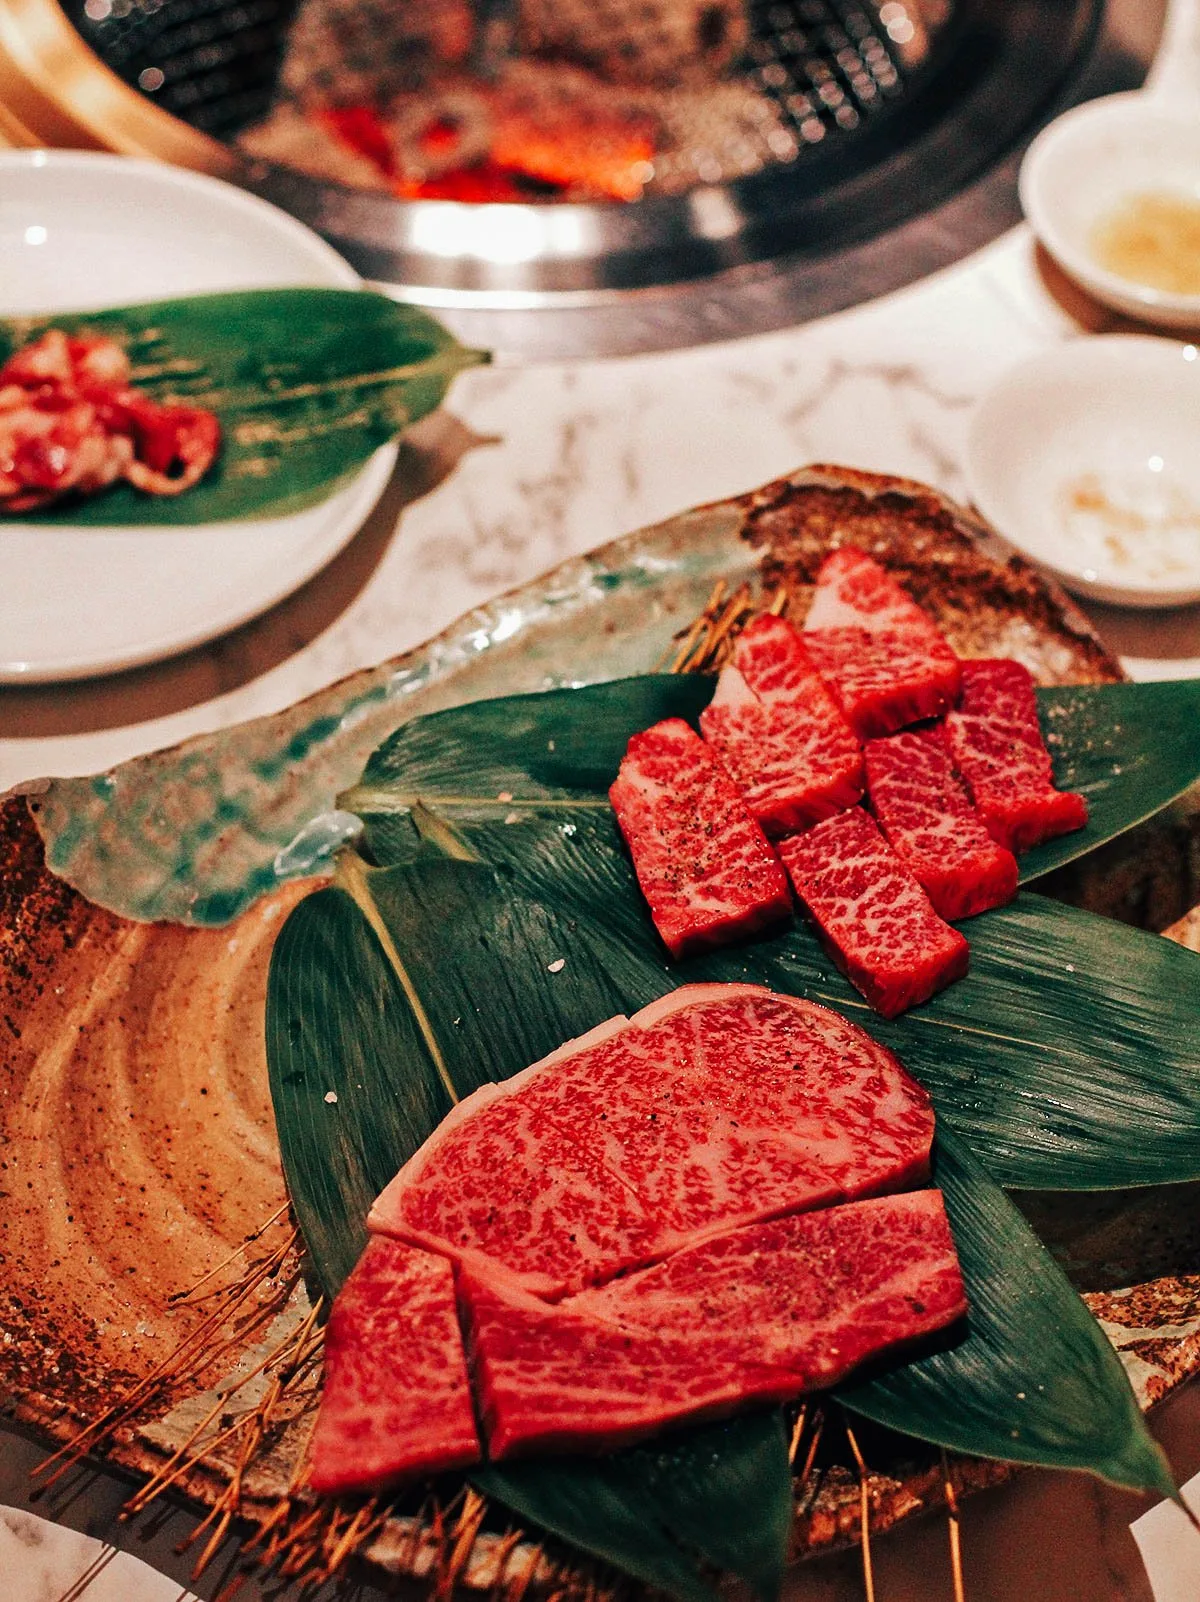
(55,91)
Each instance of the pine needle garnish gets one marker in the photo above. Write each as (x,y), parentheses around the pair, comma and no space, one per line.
(707,643)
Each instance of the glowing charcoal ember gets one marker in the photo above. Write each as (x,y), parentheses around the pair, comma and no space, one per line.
(927,817)
(704,865)
(718,1106)
(761,1314)
(397,1396)
(996,742)
(780,733)
(877,922)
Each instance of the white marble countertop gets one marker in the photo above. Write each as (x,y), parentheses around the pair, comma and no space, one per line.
(531,466)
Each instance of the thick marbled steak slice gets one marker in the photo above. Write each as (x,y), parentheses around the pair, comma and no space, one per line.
(996,742)
(876,920)
(927,817)
(761,1314)
(780,733)
(705,867)
(884,658)
(716,1107)
(397,1397)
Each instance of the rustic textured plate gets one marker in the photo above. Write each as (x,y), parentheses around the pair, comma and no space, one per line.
(137,913)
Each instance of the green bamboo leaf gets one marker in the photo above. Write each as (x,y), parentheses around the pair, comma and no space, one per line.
(1069,1057)
(307,383)
(352,1086)
(718,1497)
(1034,1380)
(451,945)
(372,1026)
(1130,749)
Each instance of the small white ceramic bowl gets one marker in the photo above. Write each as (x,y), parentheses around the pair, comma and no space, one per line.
(1080,168)
(1086,459)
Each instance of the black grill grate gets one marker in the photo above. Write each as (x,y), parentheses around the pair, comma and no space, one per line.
(213,63)
(818,68)
(830,66)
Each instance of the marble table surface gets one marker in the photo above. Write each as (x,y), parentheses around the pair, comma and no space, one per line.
(528,466)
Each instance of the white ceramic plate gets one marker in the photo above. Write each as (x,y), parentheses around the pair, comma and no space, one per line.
(1091,159)
(1086,459)
(79,231)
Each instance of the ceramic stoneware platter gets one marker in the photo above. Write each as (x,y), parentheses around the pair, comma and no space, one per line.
(156,1302)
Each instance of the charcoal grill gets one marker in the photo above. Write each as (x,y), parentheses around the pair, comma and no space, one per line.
(880,144)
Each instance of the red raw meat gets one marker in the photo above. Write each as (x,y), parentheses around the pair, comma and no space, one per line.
(71,424)
(854,591)
(884,679)
(996,742)
(704,865)
(780,732)
(397,1397)
(716,1107)
(877,922)
(761,1314)
(927,817)
(885,659)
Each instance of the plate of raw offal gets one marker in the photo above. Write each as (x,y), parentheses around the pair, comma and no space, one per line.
(198,408)
(573,1220)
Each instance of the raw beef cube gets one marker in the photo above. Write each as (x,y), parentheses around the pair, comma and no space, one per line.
(996,742)
(770,656)
(780,732)
(885,659)
(717,1106)
(397,1397)
(884,679)
(927,817)
(704,865)
(853,590)
(876,920)
(761,1314)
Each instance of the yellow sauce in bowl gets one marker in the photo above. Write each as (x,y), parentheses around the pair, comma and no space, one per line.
(1152,238)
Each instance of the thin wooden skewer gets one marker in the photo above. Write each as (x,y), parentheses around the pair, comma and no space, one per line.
(183,1296)
(864,1506)
(811,1455)
(956,1568)
(798,1432)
